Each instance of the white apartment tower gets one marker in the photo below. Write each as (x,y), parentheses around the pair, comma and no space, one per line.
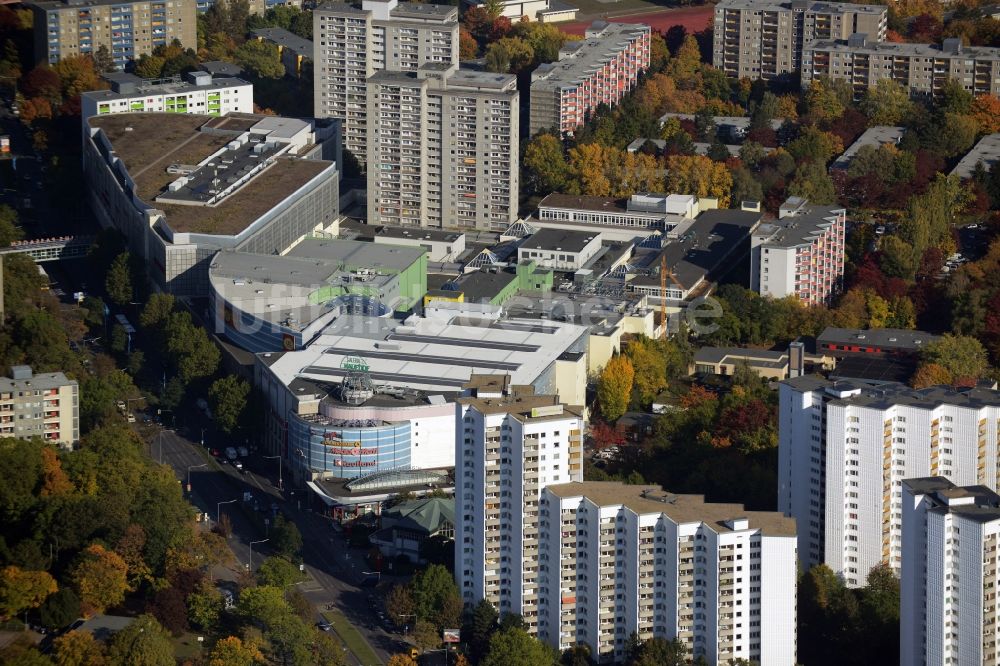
(617,559)
(845,449)
(948,587)
(44,405)
(443,148)
(353,42)
(509,444)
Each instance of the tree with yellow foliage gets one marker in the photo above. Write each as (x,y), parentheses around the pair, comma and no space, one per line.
(21,590)
(231,651)
(100,578)
(700,176)
(614,387)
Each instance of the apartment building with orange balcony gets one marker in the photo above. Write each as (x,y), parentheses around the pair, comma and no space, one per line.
(600,69)
(45,405)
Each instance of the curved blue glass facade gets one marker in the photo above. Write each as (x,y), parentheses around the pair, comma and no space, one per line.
(348,451)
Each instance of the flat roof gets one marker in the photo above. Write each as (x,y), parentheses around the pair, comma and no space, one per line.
(873,136)
(358,254)
(986,150)
(484,284)
(149,143)
(434,355)
(144,89)
(799,229)
(703,246)
(520,406)
(860,393)
(787,5)
(285,39)
(682,509)
(757,357)
(42,380)
(580,60)
(415,233)
(905,49)
(889,338)
(558,240)
(404,10)
(587,202)
(221,68)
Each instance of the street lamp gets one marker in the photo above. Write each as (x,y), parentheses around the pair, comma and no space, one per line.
(218,509)
(250,565)
(406,627)
(278,458)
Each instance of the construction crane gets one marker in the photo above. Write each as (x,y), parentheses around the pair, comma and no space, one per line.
(663,291)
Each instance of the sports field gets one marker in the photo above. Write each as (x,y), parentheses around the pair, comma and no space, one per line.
(694,19)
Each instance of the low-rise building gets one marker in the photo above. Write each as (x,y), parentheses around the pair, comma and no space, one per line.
(495,285)
(600,69)
(44,405)
(268,303)
(441,246)
(765,363)
(641,212)
(636,560)
(181,187)
(200,93)
(405,527)
(948,600)
(294,50)
(985,152)
(876,137)
(922,69)
(801,253)
(560,249)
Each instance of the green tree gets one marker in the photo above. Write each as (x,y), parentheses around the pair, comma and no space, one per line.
(278,571)
(952,134)
(156,312)
(578,655)
(614,387)
(436,597)
(285,537)
(103,62)
(480,625)
(823,101)
(142,643)
(886,103)
(962,356)
(898,258)
(399,605)
(60,609)
(545,39)
(508,55)
(10,231)
(545,164)
(228,399)
(746,187)
(260,59)
(812,182)
(425,634)
(814,144)
(118,282)
(150,66)
(516,647)
(660,652)
(205,606)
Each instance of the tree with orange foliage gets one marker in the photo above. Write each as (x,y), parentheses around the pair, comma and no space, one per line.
(700,176)
(79,648)
(100,578)
(931,374)
(54,479)
(232,651)
(986,113)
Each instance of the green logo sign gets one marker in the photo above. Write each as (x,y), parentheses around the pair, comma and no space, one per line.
(354,363)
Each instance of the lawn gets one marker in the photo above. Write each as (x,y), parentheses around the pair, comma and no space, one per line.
(352,638)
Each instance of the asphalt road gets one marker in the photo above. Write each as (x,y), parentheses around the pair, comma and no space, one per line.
(335,569)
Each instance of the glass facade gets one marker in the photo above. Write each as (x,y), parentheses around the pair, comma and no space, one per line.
(348,450)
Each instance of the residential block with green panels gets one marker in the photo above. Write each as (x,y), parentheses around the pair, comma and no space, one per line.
(198,92)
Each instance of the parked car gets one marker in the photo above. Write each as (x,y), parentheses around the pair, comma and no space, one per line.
(242,450)
(230,453)
(131,417)
(324,626)
(238,465)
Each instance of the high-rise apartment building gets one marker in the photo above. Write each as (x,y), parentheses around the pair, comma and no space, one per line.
(922,69)
(600,69)
(948,586)
(765,40)
(352,42)
(443,148)
(129,30)
(845,448)
(618,559)
(45,405)
(801,253)
(509,444)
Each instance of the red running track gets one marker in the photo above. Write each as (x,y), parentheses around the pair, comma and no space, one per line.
(694,19)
